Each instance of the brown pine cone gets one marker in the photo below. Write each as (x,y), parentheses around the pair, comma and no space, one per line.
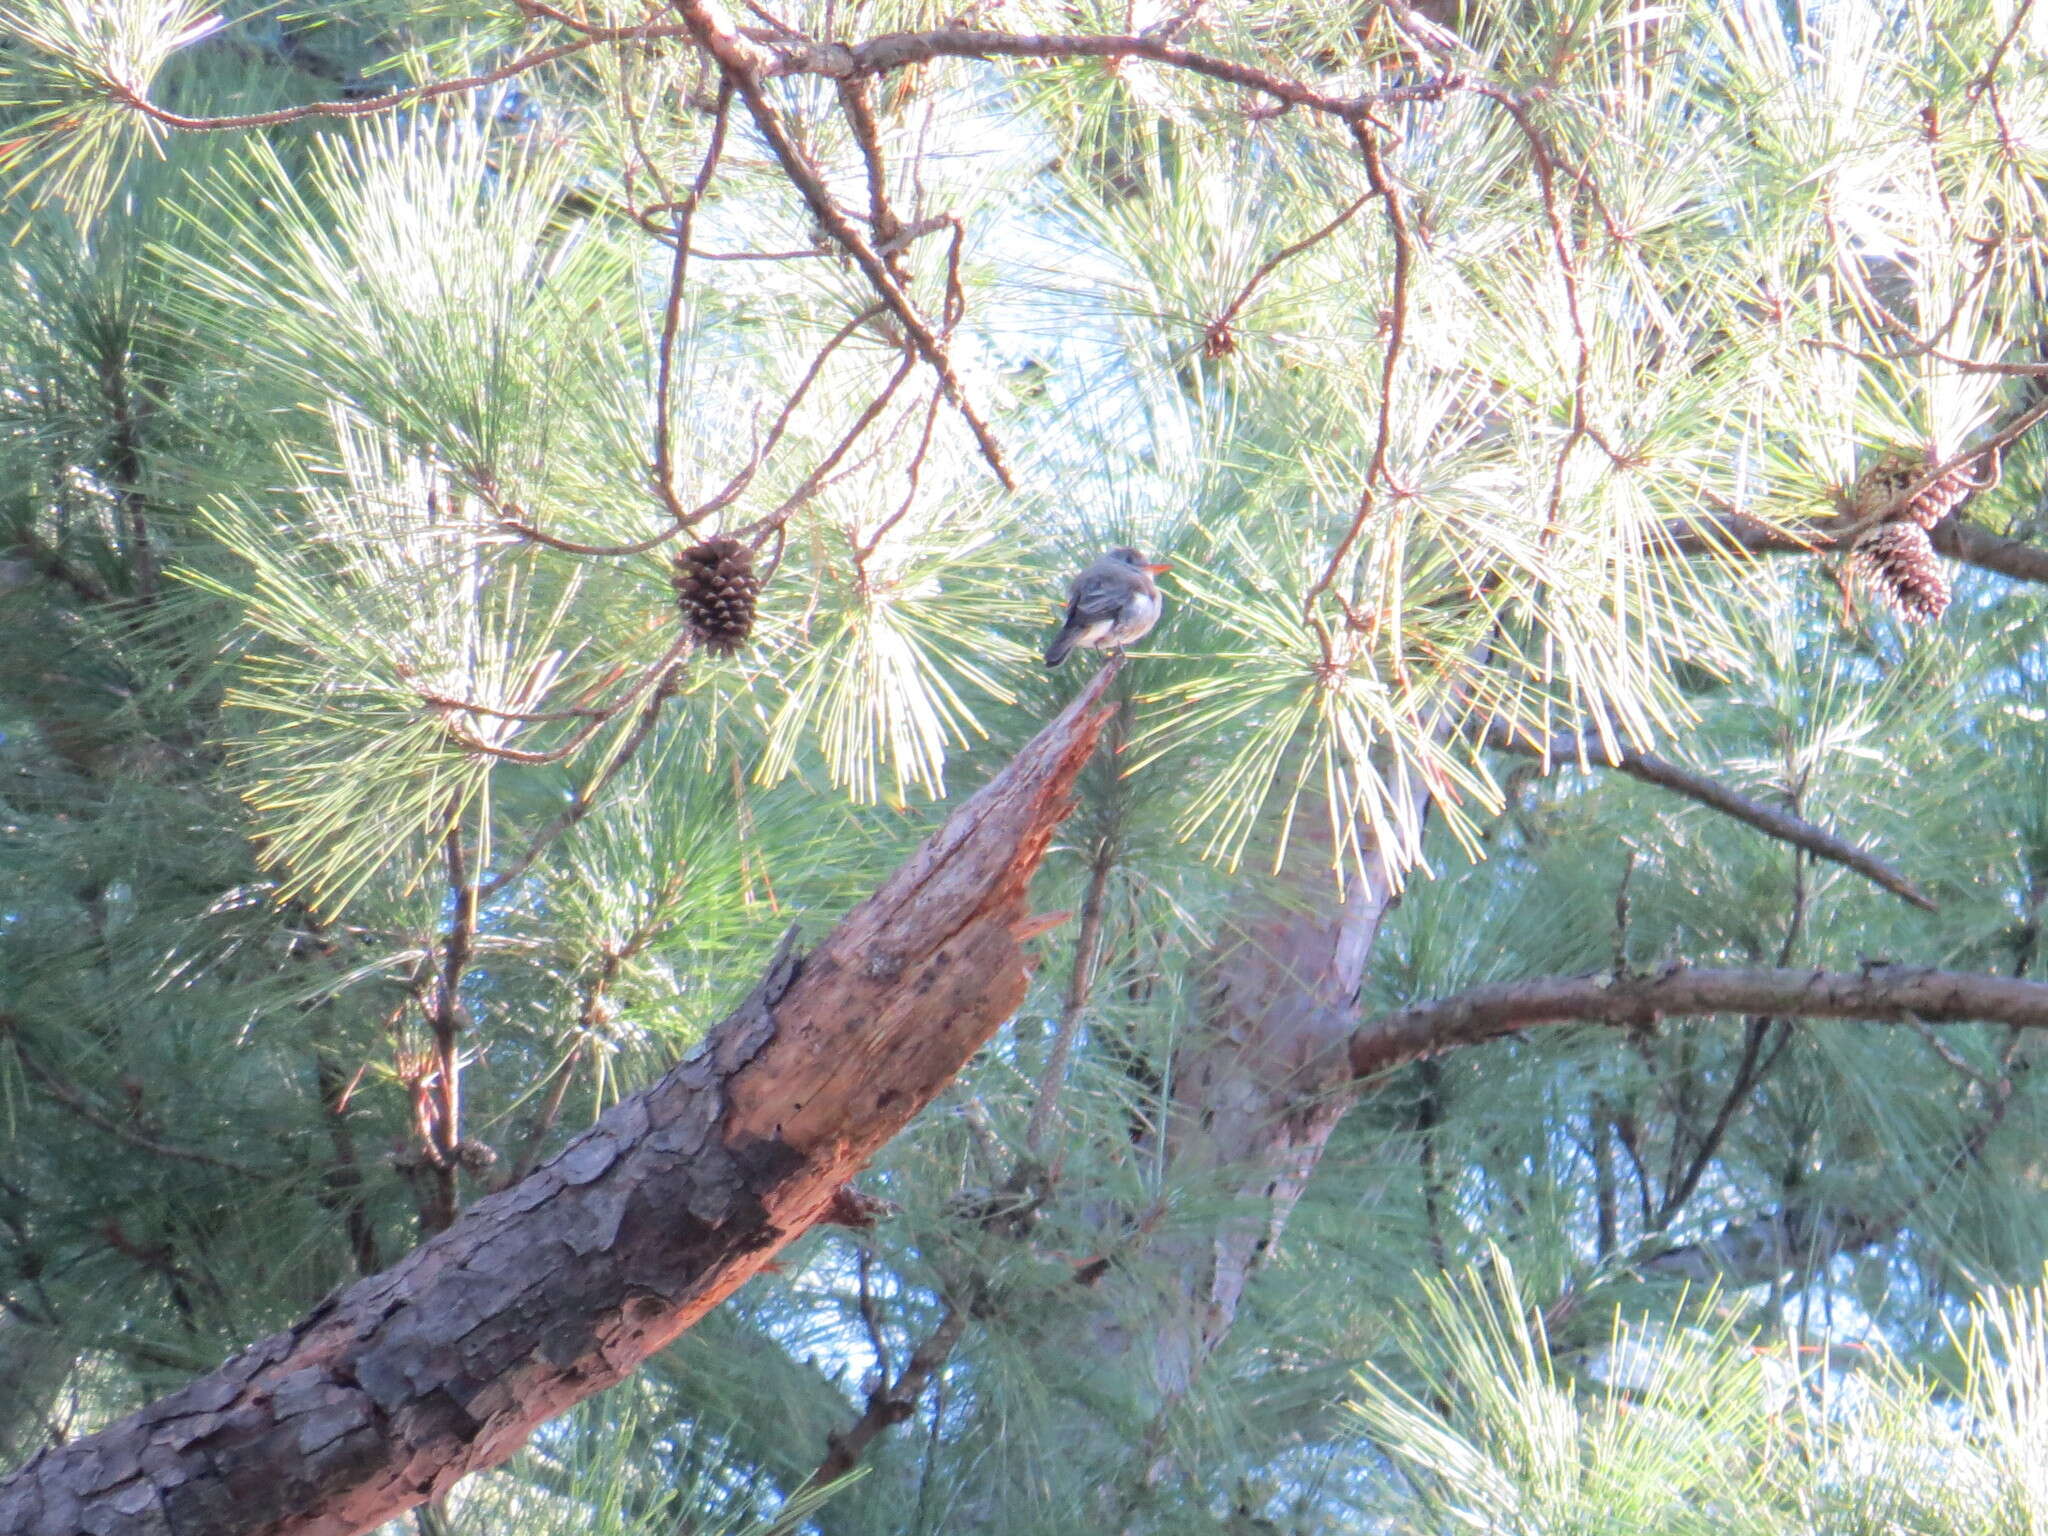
(715,589)
(1897,560)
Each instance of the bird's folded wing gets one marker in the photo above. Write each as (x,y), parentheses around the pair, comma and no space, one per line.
(1093,601)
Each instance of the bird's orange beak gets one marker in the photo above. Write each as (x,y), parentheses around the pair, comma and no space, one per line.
(1158,569)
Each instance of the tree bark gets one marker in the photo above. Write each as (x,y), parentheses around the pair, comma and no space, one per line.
(539,1296)
(1265,1080)
(1893,994)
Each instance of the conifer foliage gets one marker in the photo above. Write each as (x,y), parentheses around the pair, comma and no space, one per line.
(518,520)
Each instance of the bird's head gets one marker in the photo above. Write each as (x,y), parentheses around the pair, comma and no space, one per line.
(1136,561)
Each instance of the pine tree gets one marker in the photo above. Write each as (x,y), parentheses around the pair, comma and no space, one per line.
(512,508)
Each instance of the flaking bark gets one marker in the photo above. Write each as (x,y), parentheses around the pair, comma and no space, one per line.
(393,1389)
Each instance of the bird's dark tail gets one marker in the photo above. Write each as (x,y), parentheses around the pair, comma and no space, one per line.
(1057,651)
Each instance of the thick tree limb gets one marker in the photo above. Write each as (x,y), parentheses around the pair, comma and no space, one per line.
(1989,551)
(1890,994)
(1665,774)
(390,1391)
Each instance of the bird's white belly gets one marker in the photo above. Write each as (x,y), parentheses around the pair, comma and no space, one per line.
(1136,621)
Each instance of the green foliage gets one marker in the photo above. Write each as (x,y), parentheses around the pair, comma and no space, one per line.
(342,461)
(73,73)
(1695,1428)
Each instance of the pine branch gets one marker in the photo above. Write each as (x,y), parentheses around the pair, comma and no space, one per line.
(390,1391)
(371,106)
(900,50)
(893,1401)
(74,1099)
(738,63)
(1955,537)
(1651,769)
(1080,983)
(1886,994)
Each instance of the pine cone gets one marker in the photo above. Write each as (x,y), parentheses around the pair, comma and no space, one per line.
(1897,472)
(715,588)
(1897,560)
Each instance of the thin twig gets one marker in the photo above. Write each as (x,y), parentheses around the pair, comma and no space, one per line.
(121,93)
(891,1402)
(1080,983)
(448,1019)
(1953,1058)
(586,799)
(805,255)
(341,1187)
(50,561)
(955,309)
(877,1341)
(672,313)
(517,521)
(860,117)
(1652,769)
(900,50)
(1920,348)
(1376,472)
(75,1100)
(516,716)
(862,551)
(1988,80)
(737,485)
(124,462)
(1965,460)
(755,532)
(593,721)
(1429,1115)
(1747,1075)
(1218,332)
(737,61)
(1543,159)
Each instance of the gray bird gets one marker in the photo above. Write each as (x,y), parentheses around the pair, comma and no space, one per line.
(1113,602)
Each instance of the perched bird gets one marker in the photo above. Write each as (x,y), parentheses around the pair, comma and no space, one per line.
(1113,602)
